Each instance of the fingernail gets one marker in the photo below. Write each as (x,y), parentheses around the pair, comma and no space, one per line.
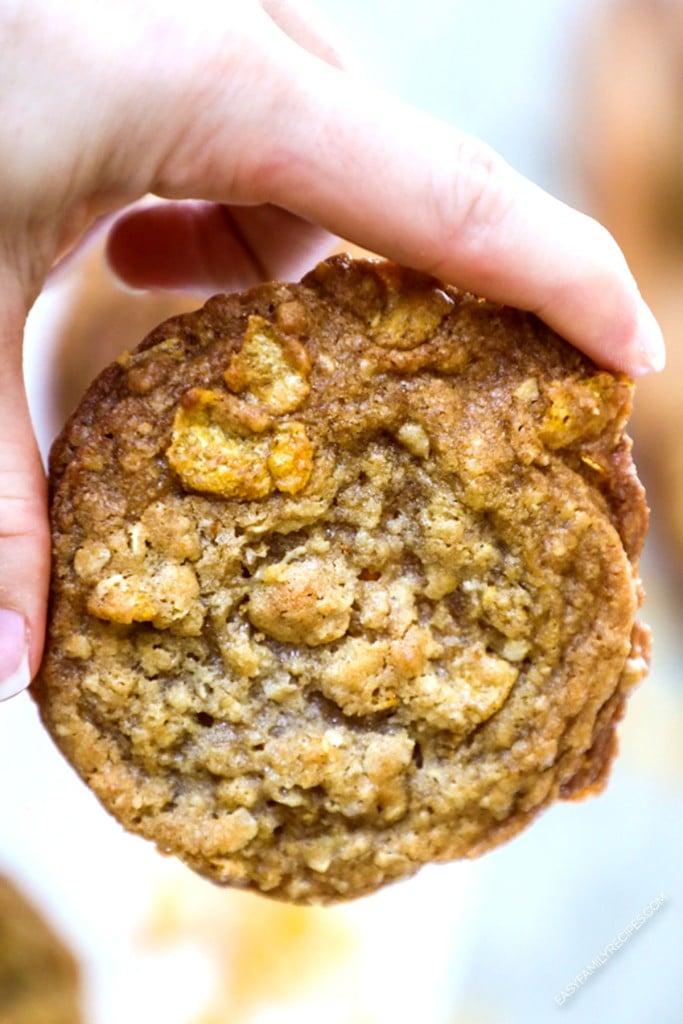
(651,349)
(15,674)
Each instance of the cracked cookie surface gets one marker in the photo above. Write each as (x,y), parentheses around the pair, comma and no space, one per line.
(344,580)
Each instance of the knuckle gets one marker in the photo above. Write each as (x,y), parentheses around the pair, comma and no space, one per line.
(23,500)
(476,204)
(20,517)
(24,536)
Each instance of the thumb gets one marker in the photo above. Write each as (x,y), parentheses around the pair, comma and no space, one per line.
(24,535)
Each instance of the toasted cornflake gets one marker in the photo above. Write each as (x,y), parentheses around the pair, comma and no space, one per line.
(212,458)
(271,369)
(592,464)
(208,459)
(411,318)
(290,459)
(581,409)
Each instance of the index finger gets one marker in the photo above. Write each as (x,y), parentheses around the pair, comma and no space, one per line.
(403,184)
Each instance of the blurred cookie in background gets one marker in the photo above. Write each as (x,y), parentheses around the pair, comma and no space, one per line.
(265,962)
(39,977)
(630,152)
(263,954)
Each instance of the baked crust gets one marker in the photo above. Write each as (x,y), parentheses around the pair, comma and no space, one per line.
(344,580)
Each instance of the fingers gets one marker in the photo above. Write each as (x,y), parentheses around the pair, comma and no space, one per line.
(24,540)
(282,127)
(206,248)
(400,183)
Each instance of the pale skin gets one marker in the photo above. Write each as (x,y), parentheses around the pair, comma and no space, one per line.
(249,109)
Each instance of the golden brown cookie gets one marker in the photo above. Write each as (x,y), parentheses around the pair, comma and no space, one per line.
(345,580)
(39,978)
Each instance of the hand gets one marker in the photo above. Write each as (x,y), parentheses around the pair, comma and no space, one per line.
(245,107)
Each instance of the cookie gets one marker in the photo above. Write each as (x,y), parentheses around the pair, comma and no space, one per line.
(344,580)
(39,978)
